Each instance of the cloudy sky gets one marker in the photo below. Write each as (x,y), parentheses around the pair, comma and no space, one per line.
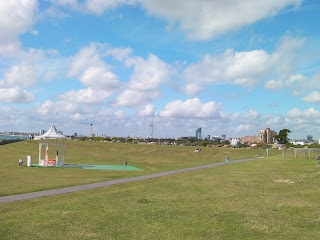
(231,67)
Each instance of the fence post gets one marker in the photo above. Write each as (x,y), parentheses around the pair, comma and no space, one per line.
(309,153)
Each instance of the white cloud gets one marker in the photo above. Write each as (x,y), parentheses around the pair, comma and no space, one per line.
(308,114)
(199,19)
(15,95)
(147,110)
(304,83)
(251,115)
(89,66)
(119,53)
(148,74)
(299,84)
(70,3)
(295,78)
(145,80)
(88,56)
(311,113)
(23,76)
(92,6)
(86,96)
(49,108)
(243,128)
(134,98)
(17,17)
(273,85)
(99,78)
(10,48)
(246,69)
(229,66)
(240,68)
(193,88)
(54,12)
(121,114)
(203,20)
(193,109)
(99,6)
(28,68)
(313,97)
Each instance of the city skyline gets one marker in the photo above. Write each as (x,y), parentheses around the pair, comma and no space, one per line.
(121,65)
(198,135)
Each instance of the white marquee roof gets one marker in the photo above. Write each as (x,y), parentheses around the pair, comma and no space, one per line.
(52,133)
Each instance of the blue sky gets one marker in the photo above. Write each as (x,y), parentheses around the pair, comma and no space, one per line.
(231,67)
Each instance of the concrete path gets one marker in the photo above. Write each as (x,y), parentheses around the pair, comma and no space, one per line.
(46,193)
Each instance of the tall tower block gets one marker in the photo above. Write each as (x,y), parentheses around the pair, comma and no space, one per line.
(91,130)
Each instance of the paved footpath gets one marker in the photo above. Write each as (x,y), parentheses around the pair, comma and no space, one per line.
(46,193)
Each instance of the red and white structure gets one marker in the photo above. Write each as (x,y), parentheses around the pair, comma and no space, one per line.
(51,158)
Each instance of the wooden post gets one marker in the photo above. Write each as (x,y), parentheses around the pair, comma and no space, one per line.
(309,153)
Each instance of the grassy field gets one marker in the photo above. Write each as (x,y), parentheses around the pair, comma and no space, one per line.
(14,180)
(268,198)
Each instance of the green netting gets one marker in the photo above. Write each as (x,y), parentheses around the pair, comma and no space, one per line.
(90,166)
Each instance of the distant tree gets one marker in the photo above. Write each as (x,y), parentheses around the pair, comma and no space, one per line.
(192,139)
(244,145)
(314,145)
(200,143)
(282,137)
(226,142)
(216,141)
(288,145)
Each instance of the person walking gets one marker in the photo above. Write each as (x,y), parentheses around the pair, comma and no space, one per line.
(227,160)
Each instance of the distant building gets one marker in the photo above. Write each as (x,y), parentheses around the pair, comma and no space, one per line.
(267,136)
(250,139)
(223,137)
(199,134)
(41,132)
(309,138)
(216,139)
(208,138)
(75,134)
(234,141)
(300,142)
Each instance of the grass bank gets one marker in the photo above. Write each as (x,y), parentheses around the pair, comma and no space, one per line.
(269,198)
(14,180)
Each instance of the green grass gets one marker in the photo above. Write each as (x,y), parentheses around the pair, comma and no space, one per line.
(14,180)
(268,198)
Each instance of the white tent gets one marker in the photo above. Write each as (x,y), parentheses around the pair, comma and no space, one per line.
(52,133)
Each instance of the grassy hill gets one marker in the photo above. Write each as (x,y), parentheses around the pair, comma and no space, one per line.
(268,198)
(14,180)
